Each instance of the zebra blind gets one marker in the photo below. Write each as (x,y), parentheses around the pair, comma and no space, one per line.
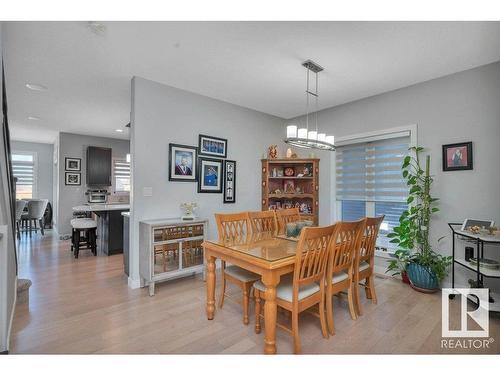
(372,171)
(23,168)
(121,175)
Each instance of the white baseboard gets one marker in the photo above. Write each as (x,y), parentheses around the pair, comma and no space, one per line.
(134,284)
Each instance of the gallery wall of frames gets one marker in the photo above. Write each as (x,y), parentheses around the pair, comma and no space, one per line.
(206,165)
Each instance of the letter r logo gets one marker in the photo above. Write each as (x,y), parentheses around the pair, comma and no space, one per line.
(480,315)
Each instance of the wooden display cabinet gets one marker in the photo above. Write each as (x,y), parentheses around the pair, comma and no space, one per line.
(290,183)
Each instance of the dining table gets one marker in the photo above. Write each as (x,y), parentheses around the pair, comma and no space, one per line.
(265,254)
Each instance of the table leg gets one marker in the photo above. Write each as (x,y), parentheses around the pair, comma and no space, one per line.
(210,287)
(270,280)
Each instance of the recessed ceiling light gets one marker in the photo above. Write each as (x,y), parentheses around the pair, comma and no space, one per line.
(119,130)
(34,118)
(36,87)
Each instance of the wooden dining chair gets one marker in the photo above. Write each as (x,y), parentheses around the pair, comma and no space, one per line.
(304,288)
(285,216)
(345,244)
(364,262)
(263,222)
(235,228)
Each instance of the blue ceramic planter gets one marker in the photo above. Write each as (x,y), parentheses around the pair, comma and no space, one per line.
(422,277)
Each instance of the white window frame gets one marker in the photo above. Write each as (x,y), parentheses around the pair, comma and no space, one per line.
(34,188)
(396,132)
(113,181)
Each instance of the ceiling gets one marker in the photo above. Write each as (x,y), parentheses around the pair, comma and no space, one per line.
(252,64)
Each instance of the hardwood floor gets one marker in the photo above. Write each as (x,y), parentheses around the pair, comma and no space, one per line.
(84,306)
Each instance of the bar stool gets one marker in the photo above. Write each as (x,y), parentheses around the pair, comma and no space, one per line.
(88,227)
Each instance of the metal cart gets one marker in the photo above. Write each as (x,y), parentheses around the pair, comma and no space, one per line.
(481,272)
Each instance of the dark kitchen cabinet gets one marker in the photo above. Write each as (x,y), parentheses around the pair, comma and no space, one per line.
(98,166)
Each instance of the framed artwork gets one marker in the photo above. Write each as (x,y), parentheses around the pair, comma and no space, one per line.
(229,181)
(212,146)
(209,175)
(73,178)
(182,163)
(457,156)
(73,164)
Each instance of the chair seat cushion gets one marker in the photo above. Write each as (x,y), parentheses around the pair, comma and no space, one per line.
(83,223)
(338,277)
(363,266)
(241,274)
(285,288)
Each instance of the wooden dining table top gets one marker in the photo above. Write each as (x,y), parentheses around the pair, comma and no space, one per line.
(266,247)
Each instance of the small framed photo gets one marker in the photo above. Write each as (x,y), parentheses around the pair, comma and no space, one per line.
(209,175)
(457,156)
(182,163)
(212,146)
(229,181)
(73,178)
(73,164)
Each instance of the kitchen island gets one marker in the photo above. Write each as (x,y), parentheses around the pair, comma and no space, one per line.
(109,226)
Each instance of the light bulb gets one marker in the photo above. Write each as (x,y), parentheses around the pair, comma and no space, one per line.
(313,135)
(302,133)
(330,139)
(291,131)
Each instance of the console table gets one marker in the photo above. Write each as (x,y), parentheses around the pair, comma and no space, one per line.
(170,248)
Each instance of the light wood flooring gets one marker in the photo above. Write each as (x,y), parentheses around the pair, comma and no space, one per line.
(84,306)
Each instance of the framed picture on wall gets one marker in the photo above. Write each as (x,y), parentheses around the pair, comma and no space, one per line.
(229,181)
(73,178)
(457,156)
(212,146)
(182,163)
(73,164)
(209,175)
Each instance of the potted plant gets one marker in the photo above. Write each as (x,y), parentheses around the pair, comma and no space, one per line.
(426,269)
(398,264)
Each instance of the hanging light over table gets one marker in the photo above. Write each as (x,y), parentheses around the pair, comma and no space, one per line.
(309,136)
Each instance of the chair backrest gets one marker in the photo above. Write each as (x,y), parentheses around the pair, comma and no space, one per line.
(285,216)
(345,245)
(369,239)
(263,221)
(233,227)
(36,208)
(311,260)
(20,204)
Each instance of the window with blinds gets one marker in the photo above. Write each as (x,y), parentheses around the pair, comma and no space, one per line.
(121,176)
(369,180)
(24,170)
(372,171)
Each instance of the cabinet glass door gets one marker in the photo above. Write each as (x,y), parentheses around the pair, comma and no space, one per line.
(192,253)
(166,258)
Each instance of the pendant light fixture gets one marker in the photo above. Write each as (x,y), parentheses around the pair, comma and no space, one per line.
(309,136)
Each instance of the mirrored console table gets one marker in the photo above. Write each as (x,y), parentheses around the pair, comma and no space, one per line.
(170,248)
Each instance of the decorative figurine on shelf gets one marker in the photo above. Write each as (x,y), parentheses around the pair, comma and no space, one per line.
(289,172)
(289,187)
(298,190)
(303,208)
(272,152)
(275,172)
(289,153)
(188,209)
(306,171)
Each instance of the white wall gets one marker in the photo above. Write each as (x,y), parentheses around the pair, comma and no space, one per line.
(456,108)
(75,146)
(163,115)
